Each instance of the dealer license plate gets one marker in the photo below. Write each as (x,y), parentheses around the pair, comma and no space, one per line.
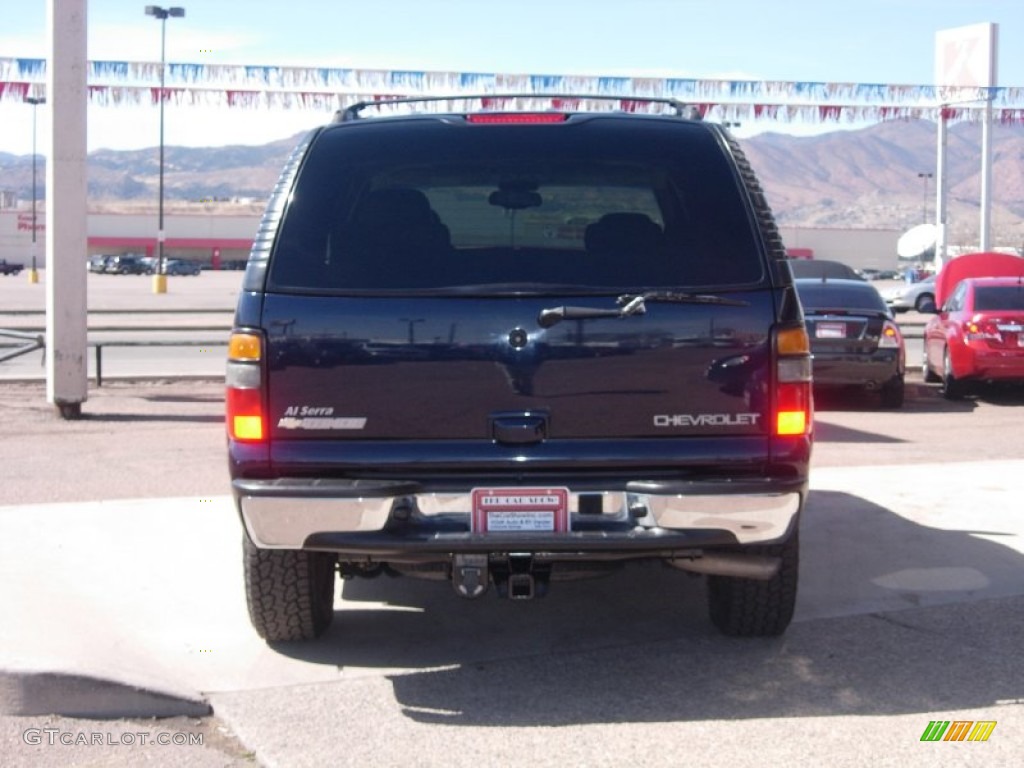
(830,331)
(520,510)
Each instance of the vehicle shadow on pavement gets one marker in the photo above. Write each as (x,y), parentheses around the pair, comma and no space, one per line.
(893,617)
(825,432)
(864,665)
(921,398)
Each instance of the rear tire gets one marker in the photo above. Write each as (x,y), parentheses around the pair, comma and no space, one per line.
(919,302)
(894,393)
(929,376)
(751,608)
(952,387)
(290,593)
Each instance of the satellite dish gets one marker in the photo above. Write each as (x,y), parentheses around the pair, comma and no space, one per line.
(918,243)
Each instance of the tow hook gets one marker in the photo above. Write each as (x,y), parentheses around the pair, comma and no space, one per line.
(470,577)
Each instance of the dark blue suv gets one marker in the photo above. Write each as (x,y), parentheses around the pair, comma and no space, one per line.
(504,348)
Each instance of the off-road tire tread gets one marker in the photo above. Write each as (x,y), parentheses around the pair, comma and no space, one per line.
(752,608)
(290,593)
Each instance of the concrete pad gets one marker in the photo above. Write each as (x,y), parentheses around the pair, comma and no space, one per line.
(149,592)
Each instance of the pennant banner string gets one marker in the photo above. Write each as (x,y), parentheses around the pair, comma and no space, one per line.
(725,111)
(411,83)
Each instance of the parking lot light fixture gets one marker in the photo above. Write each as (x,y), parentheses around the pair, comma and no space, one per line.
(35,101)
(162,14)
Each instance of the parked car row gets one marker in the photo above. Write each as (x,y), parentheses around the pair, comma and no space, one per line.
(976,336)
(10,267)
(141,265)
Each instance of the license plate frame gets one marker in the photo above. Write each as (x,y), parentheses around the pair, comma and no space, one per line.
(520,510)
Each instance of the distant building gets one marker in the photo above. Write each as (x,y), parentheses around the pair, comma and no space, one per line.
(221,240)
(212,240)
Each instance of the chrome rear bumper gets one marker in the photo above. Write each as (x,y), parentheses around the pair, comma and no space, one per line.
(396,518)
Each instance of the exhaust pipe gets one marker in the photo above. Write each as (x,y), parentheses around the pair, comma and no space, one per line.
(758,567)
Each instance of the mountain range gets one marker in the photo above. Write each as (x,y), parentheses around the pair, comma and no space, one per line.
(869,178)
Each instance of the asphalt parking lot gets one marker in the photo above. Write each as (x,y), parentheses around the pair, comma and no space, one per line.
(119,560)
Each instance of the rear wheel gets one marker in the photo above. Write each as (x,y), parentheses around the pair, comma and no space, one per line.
(893,393)
(929,376)
(753,608)
(920,301)
(290,593)
(952,387)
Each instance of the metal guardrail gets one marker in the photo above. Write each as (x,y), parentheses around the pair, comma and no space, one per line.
(37,341)
(99,345)
(33,338)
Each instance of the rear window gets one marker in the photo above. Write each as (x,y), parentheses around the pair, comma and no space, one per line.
(999,297)
(441,204)
(816,296)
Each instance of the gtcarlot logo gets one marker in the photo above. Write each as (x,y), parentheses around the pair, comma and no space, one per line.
(958,730)
(53,737)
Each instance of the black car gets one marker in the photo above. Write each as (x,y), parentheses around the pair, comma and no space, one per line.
(432,374)
(126,265)
(823,268)
(181,267)
(855,341)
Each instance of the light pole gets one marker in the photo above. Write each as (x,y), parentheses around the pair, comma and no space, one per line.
(162,14)
(35,101)
(924,196)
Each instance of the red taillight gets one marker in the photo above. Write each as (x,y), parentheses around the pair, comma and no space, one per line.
(977,329)
(517,117)
(793,409)
(793,403)
(245,414)
(245,418)
(891,337)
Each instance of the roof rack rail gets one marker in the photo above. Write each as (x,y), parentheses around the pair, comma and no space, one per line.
(682,110)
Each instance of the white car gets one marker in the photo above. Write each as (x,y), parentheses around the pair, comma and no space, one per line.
(903,298)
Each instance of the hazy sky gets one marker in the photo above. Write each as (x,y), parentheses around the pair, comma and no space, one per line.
(860,41)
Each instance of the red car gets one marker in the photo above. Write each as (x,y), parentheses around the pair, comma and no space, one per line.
(977,336)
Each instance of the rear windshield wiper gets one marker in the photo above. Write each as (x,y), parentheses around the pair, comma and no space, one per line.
(630,304)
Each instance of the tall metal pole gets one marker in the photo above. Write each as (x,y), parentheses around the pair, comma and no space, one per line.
(160,279)
(985,224)
(160,215)
(160,286)
(924,195)
(35,101)
(940,192)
